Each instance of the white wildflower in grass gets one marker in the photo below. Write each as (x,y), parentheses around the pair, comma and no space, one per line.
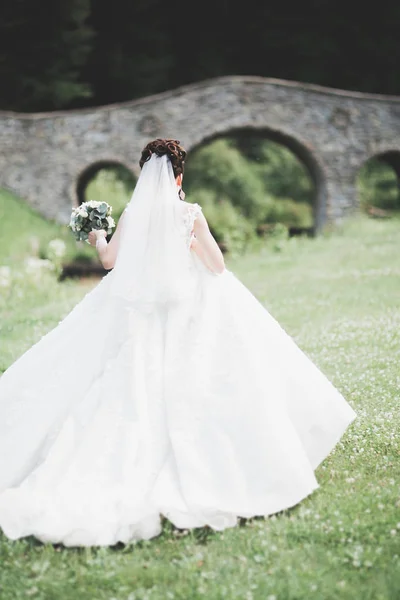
(88,216)
(36,266)
(5,276)
(57,248)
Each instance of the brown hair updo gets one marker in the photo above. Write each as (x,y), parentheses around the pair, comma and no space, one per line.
(171,148)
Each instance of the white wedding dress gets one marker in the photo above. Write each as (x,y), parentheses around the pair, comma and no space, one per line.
(201,413)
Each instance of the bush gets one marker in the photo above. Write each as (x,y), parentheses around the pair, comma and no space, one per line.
(113,185)
(232,231)
(244,184)
(290,213)
(377,186)
(222,169)
(283,175)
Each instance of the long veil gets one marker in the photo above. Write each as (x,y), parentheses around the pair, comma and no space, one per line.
(153,265)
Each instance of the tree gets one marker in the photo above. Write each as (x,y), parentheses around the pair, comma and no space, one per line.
(43,46)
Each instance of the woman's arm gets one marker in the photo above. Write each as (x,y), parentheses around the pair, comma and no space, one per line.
(107,251)
(206,247)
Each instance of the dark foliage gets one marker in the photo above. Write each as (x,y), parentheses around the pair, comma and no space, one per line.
(76,53)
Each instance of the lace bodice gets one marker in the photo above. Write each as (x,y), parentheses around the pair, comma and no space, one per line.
(189,216)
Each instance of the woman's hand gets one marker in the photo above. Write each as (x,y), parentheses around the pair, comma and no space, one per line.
(95,234)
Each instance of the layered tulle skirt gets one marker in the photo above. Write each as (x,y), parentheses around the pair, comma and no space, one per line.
(201,412)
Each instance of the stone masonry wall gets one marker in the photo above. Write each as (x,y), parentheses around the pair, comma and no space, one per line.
(42,155)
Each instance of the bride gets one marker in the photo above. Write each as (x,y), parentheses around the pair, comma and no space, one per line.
(168,391)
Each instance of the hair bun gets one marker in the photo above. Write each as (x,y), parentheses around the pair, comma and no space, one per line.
(172,148)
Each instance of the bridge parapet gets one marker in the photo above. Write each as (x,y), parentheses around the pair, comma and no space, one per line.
(44,155)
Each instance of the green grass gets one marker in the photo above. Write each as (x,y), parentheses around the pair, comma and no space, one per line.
(24,232)
(339,297)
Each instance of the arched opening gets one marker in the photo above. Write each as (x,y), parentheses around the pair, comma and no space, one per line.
(109,181)
(253,180)
(378,184)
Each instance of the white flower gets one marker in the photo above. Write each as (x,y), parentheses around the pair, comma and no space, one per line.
(5,276)
(57,247)
(35,265)
(83,213)
(110,221)
(92,203)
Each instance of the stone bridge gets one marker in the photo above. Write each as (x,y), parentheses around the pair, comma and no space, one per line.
(47,158)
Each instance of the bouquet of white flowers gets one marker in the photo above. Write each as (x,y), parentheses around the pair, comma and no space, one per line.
(91,215)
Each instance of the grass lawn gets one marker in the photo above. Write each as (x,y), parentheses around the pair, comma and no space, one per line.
(339,297)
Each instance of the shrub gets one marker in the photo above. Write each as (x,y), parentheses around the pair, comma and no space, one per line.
(247,183)
(113,185)
(221,167)
(231,229)
(290,213)
(377,186)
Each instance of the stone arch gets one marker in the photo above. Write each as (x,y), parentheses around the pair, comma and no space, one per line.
(86,174)
(333,131)
(300,149)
